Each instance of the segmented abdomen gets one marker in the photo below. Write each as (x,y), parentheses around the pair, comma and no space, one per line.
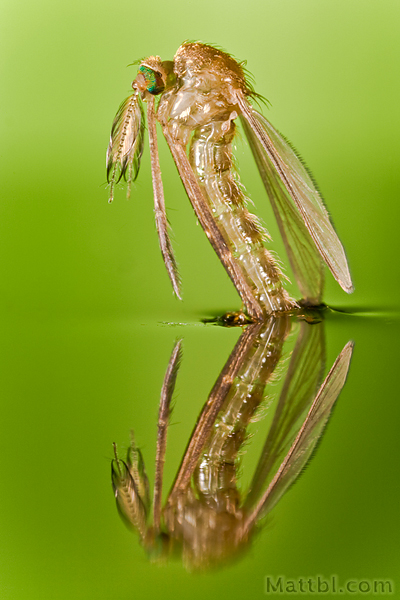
(215,476)
(211,159)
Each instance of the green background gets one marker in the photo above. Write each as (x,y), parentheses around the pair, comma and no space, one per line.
(85,298)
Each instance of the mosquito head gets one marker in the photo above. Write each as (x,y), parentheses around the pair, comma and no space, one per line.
(154,75)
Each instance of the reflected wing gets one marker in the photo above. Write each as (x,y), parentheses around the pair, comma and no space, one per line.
(300,192)
(126,143)
(307,438)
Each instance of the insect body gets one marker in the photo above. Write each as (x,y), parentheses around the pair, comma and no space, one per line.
(201,95)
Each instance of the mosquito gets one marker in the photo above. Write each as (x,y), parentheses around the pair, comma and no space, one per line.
(201,94)
(206,516)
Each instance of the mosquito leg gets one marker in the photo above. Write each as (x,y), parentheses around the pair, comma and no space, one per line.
(211,230)
(212,408)
(163,418)
(159,202)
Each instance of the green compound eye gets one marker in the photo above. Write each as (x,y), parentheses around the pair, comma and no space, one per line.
(155,84)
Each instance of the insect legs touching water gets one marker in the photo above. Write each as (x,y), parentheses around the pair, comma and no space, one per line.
(202,93)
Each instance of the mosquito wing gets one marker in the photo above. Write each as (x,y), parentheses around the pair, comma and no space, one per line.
(126,143)
(295,189)
(303,255)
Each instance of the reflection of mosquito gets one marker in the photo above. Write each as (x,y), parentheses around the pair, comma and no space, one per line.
(205,515)
(202,92)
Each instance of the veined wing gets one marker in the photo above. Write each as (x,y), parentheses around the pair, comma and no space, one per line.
(126,143)
(303,255)
(301,191)
(307,438)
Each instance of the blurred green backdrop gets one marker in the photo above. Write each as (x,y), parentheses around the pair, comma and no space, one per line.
(84,290)
(330,72)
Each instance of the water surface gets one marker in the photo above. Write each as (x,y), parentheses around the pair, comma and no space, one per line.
(71,388)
